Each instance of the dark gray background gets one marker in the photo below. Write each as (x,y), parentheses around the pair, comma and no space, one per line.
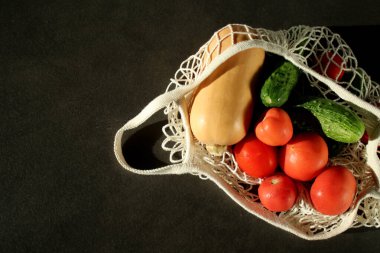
(72,73)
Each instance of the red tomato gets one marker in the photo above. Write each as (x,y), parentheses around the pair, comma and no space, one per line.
(331,65)
(255,157)
(333,191)
(304,156)
(278,193)
(364,138)
(276,128)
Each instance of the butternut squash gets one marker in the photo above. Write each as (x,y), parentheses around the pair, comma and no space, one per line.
(222,105)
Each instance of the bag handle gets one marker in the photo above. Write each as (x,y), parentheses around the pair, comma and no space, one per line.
(178,93)
(155,105)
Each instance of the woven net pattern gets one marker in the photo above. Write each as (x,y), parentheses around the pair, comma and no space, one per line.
(308,47)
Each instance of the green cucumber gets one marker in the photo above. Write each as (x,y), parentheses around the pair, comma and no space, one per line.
(337,121)
(276,89)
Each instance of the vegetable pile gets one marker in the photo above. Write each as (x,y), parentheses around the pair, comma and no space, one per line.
(279,128)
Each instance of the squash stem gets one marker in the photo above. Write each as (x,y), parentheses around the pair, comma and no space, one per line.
(216,150)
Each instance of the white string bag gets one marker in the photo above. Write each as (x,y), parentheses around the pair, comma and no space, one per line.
(298,45)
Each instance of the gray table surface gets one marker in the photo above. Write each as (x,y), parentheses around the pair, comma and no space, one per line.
(72,73)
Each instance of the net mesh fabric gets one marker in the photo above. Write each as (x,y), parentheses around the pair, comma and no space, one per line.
(313,49)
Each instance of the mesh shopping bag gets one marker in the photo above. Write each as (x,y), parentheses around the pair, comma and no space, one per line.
(302,46)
